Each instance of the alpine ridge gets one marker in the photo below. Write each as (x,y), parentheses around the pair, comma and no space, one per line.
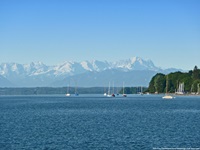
(39,74)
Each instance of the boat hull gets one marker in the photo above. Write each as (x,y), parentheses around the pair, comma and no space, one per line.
(67,94)
(167,97)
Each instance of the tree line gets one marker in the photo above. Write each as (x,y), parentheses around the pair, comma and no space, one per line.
(50,90)
(190,79)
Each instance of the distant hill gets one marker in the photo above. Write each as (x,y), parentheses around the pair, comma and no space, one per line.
(190,82)
(134,71)
(4,82)
(116,77)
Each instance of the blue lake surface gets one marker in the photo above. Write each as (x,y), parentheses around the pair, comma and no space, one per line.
(96,122)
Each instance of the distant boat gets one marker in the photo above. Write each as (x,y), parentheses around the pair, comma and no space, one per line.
(117,92)
(76,93)
(180,90)
(167,96)
(113,95)
(105,94)
(109,95)
(124,95)
(68,94)
(139,90)
(198,89)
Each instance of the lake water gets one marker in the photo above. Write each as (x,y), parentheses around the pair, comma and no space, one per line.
(96,122)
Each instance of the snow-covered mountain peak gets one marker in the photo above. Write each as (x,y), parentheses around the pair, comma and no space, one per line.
(37,73)
(86,65)
(135,63)
(71,67)
(65,67)
(95,65)
(136,59)
(133,59)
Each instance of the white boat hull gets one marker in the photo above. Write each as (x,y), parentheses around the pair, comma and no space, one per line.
(167,97)
(68,94)
(124,95)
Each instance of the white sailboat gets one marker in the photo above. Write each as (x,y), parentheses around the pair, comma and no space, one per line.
(124,95)
(68,94)
(198,89)
(113,94)
(105,94)
(109,95)
(180,90)
(141,91)
(76,91)
(167,96)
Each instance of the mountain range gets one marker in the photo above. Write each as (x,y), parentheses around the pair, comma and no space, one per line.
(134,72)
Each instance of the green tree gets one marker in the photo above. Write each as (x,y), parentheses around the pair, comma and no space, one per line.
(196,73)
(157,83)
(195,85)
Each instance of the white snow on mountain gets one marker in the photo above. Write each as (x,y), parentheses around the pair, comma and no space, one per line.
(64,68)
(37,73)
(72,68)
(135,63)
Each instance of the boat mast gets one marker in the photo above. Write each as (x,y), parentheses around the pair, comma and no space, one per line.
(167,84)
(109,89)
(123,87)
(68,89)
(113,88)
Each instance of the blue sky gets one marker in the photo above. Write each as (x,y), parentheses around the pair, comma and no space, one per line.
(53,31)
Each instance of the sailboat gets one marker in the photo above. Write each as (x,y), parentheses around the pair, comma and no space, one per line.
(68,94)
(141,91)
(124,95)
(167,96)
(109,95)
(113,95)
(105,94)
(76,93)
(180,90)
(198,88)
